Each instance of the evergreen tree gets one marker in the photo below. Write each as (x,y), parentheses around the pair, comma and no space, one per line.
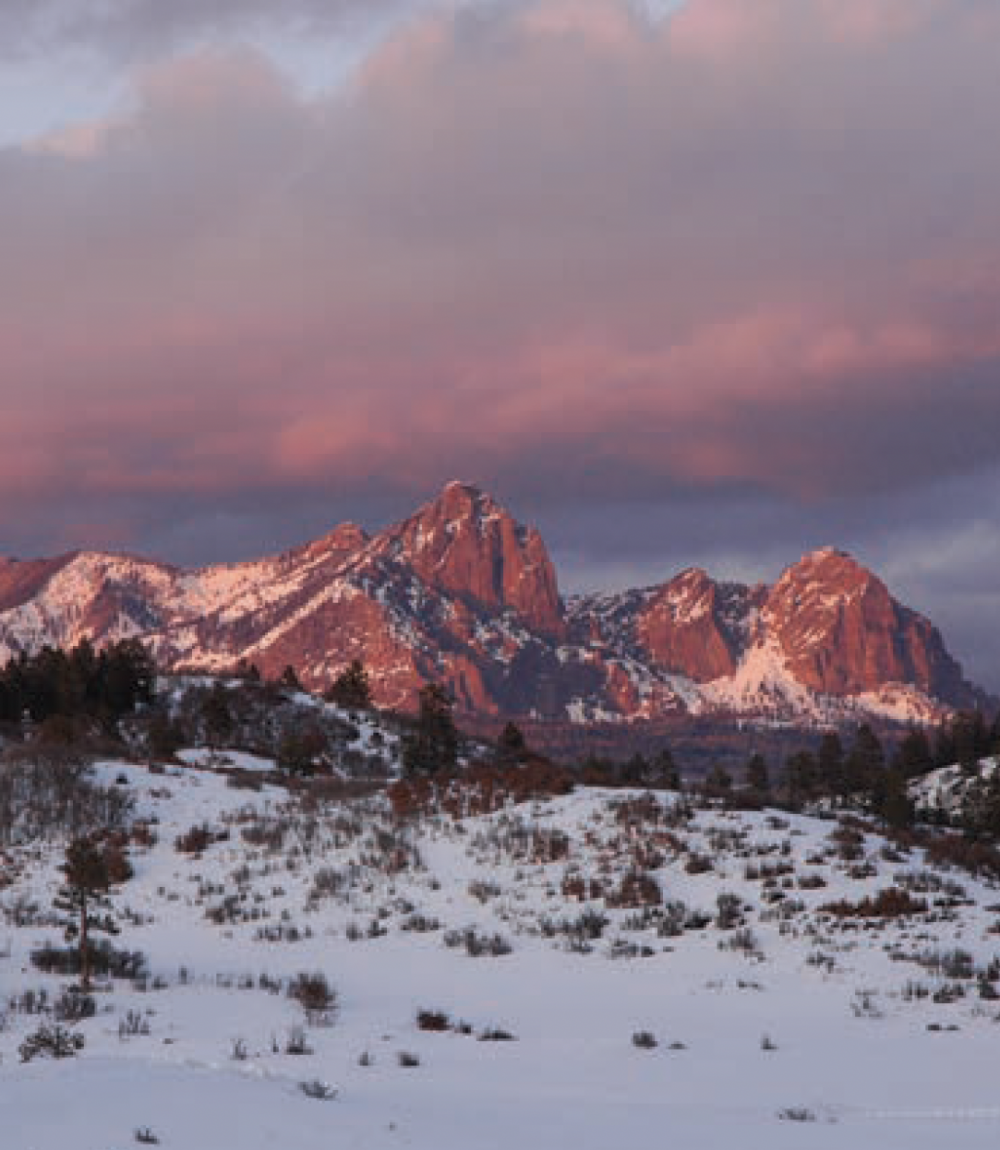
(163,736)
(757,776)
(800,781)
(831,776)
(216,716)
(865,763)
(81,683)
(890,799)
(351,689)
(718,781)
(433,745)
(126,679)
(664,771)
(945,753)
(247,671)
(635,771)
(289,679)
(971,739)
(83,900)
(299,752)
(913,756)
(511,745)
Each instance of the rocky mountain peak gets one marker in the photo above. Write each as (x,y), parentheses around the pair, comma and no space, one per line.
(463,542)
(682,629)
(462,593)
(827,568)
(461,500)
(842,632)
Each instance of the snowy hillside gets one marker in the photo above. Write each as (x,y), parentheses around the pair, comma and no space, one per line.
(594,969)
(945,791)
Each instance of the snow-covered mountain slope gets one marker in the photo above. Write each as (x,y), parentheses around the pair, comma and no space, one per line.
(946,790)
(462,593)
(665,975)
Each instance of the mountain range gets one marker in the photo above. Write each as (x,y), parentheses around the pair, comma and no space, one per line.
(464,594)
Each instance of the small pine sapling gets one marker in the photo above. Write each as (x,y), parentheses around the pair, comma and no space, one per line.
(83,900)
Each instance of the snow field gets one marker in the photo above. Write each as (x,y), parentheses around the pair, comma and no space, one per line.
(853,1055)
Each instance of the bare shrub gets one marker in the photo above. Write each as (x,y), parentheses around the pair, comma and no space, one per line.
(50,1041)
(319,1090)
(313,992)
(436,1021)
(892,902)
(478,945)
(74,1006)
(296,1042)
(796,1114)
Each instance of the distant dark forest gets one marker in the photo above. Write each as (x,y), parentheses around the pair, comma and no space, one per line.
(82,687)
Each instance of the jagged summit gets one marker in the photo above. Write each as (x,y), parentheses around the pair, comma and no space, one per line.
(822,554)
(461,592)
(460,502)
(464,543)
(827,565)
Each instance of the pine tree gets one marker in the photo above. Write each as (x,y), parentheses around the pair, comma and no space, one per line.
(890,799)
(800,777)
(757,775)
(635,771)
(913,756)
(664,771)
(163,736)
(718,781)
(247,671)
(512,745)
(866,762)
(217,716)
(126,679)
(830,764)
(433,746)
(971,738)
(351,689)
(945,754)
(290,679)
(300,752)
(83,900)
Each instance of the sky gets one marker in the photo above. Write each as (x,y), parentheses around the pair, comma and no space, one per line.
(705,283)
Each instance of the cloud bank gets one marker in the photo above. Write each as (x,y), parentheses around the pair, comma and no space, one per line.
(748,252)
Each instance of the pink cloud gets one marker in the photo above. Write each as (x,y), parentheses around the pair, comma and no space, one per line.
(527,237)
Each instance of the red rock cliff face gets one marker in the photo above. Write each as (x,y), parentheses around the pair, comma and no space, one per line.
(682,631)
(843,633)
(465,544)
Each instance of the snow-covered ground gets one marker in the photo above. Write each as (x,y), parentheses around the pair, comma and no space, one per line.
(782,1026)
(945,790)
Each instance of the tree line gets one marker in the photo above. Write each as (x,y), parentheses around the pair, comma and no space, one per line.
(102,686)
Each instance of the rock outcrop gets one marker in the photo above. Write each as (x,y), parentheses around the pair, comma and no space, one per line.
(843,633)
